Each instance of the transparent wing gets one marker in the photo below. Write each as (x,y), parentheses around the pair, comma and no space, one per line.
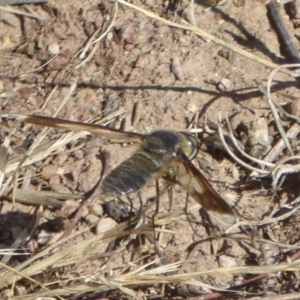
(191,179)
(104,131)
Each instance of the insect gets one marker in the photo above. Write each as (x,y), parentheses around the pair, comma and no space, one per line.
(161,152)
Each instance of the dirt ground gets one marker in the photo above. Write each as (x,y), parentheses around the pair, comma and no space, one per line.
(151,76)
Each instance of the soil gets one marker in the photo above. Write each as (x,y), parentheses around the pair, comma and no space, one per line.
(160,77)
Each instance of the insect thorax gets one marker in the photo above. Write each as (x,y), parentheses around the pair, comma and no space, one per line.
(168,142)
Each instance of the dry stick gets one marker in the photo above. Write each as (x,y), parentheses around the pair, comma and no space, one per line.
(239,161)
(91,54)
(286,114)
(277,118)
(4,153)
(282,169)
(282,31)
(16,244)
(205,35)
(258,161)
(110,26)
(193,14)
(272,107)
(277,149)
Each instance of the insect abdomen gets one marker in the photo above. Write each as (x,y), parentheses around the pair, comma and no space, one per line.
(131,175)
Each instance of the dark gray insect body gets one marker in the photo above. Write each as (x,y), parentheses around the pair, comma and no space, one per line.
(149,162)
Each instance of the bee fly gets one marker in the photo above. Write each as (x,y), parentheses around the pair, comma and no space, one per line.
(161,153)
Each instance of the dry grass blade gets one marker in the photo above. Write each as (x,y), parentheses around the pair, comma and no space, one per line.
(17,243)
(20,13)
(247,238)
(4,153)
(33,197)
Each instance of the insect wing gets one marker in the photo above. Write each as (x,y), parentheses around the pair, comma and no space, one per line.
(191,179)
(104,131)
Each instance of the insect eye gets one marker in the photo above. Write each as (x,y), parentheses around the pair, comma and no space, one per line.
(192,148)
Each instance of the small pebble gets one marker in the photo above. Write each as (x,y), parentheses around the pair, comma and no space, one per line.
(109,36)
(1,85)
(192,107)
(235,173)
(32,245)
(55,180)
(142,61)
(91,218)
(60,159)
(69,207)
(97,209)
(176,68)
(54,48)
(104,225)
(44,236)
(226,261)
(295,107)
(49,171)
(223,85)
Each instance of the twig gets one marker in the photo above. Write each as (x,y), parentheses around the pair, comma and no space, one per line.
(220,130)
(255,160)
(282,31)
(277,149)
(284,169)
(110,26)
(193,13)
(272,107)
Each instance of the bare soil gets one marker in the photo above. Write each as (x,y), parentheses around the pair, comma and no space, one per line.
(162,77)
